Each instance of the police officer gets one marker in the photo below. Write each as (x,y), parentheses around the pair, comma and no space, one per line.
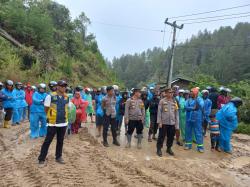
(168,120)
(56,107)
(108,105)
(135,117)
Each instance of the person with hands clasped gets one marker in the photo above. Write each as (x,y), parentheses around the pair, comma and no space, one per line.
(37,113)
(168,120)
(135,117)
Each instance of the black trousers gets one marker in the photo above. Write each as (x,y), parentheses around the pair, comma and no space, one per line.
(135,124)
(107,120)
(204,124)
(8,114)
(153,124)
(51,132)
(168,130)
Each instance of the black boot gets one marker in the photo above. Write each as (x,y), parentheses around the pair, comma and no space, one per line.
(159,153)
(170,152)
(105,144)
(115,142)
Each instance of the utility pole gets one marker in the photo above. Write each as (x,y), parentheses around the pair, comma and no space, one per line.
(170,68)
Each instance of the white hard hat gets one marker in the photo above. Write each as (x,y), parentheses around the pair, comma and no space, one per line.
(115,87)
(181,91)
(228,90)
(204,91)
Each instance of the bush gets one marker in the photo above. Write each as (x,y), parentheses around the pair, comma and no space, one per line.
(243,128)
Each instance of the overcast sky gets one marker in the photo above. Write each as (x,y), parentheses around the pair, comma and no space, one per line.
(149,14)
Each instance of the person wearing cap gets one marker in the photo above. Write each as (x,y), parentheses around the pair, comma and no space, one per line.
(99,111)
(194,109)
(206,110)
(38,124)
(19,105)
(108,106)
(56,108)
(88,97)
(223,97)
(228,120)
(8,102)
(182,115)
(168,120)
(134,117)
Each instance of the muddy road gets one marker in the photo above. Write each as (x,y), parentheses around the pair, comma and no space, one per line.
(88,163)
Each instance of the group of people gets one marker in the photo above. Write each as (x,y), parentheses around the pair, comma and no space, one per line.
(184,115)
(174,113)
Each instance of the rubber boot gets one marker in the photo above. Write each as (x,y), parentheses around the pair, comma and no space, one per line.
(6,125)
(139,141)
(129,141)
(170,152)
(149,138)
(159,153)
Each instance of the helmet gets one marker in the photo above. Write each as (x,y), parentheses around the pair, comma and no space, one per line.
(181,91)
(144,89)
(1,84)
(222,88)
(18,84)
(42,85)
(186,92)
(208,87)
(103,89)
(204,91)
(236,101)
(33,87)
(79,88)
(9,83)
(115,87)
(87,90)
(52,83)
(228,90)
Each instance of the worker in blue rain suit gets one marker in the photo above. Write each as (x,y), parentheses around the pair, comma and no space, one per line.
(227,117)
(206,111)
(20,103)
(194,111)
(37,113)
(98,111)
(8,102)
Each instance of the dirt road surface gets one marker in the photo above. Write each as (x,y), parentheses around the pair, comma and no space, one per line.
(88,163)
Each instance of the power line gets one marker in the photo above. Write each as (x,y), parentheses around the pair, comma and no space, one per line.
(225,15)
(213,46)
(188,23)
(200,13)
(128,27)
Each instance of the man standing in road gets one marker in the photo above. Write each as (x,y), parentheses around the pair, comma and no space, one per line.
(56,108)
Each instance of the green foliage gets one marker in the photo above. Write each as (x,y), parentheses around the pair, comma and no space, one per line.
(243,128)
(56,46)
(223,55)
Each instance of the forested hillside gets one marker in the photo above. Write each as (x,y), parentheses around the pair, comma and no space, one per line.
(52,45)
(223,54)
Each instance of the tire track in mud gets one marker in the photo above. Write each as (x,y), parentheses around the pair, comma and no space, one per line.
(120,173)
